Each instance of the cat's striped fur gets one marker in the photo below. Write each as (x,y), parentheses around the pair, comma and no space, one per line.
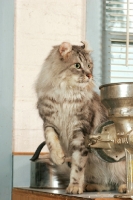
(70,110)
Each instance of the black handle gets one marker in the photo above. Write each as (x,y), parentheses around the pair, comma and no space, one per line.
(37,152)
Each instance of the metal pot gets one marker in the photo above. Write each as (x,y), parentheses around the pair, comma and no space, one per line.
(43,173)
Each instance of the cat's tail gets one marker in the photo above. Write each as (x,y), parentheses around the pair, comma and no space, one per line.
(37,152)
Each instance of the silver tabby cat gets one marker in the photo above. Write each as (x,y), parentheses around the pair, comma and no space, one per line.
(71,110)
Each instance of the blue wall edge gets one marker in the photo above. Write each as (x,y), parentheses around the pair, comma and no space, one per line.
(6,96)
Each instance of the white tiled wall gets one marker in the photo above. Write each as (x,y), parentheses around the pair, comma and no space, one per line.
(39,24)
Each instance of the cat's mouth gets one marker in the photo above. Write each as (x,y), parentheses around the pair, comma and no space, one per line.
(87,79)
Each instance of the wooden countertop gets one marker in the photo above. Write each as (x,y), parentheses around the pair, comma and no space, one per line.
(59,194)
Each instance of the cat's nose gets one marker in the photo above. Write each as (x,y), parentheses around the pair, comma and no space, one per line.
(89,75)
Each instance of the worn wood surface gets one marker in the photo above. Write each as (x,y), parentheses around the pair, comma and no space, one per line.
(24,194)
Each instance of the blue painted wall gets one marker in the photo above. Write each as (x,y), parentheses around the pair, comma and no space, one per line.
(6,96)
(21,170)
(94,28)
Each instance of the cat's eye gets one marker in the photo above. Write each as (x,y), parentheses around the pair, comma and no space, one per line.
(77,65)
(89,65)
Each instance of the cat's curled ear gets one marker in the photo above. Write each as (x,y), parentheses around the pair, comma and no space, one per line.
(86,47)
(64,49)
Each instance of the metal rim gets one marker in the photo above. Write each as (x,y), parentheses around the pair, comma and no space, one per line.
(111,84)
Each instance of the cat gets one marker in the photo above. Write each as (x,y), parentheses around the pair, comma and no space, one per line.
(71,110)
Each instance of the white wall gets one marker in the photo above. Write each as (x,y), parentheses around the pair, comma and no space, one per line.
(39,24)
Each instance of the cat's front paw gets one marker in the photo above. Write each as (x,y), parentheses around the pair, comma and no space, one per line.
(74,189)
(57,156)
(122,188)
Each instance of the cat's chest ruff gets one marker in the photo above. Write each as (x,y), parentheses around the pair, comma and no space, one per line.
(70,107)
